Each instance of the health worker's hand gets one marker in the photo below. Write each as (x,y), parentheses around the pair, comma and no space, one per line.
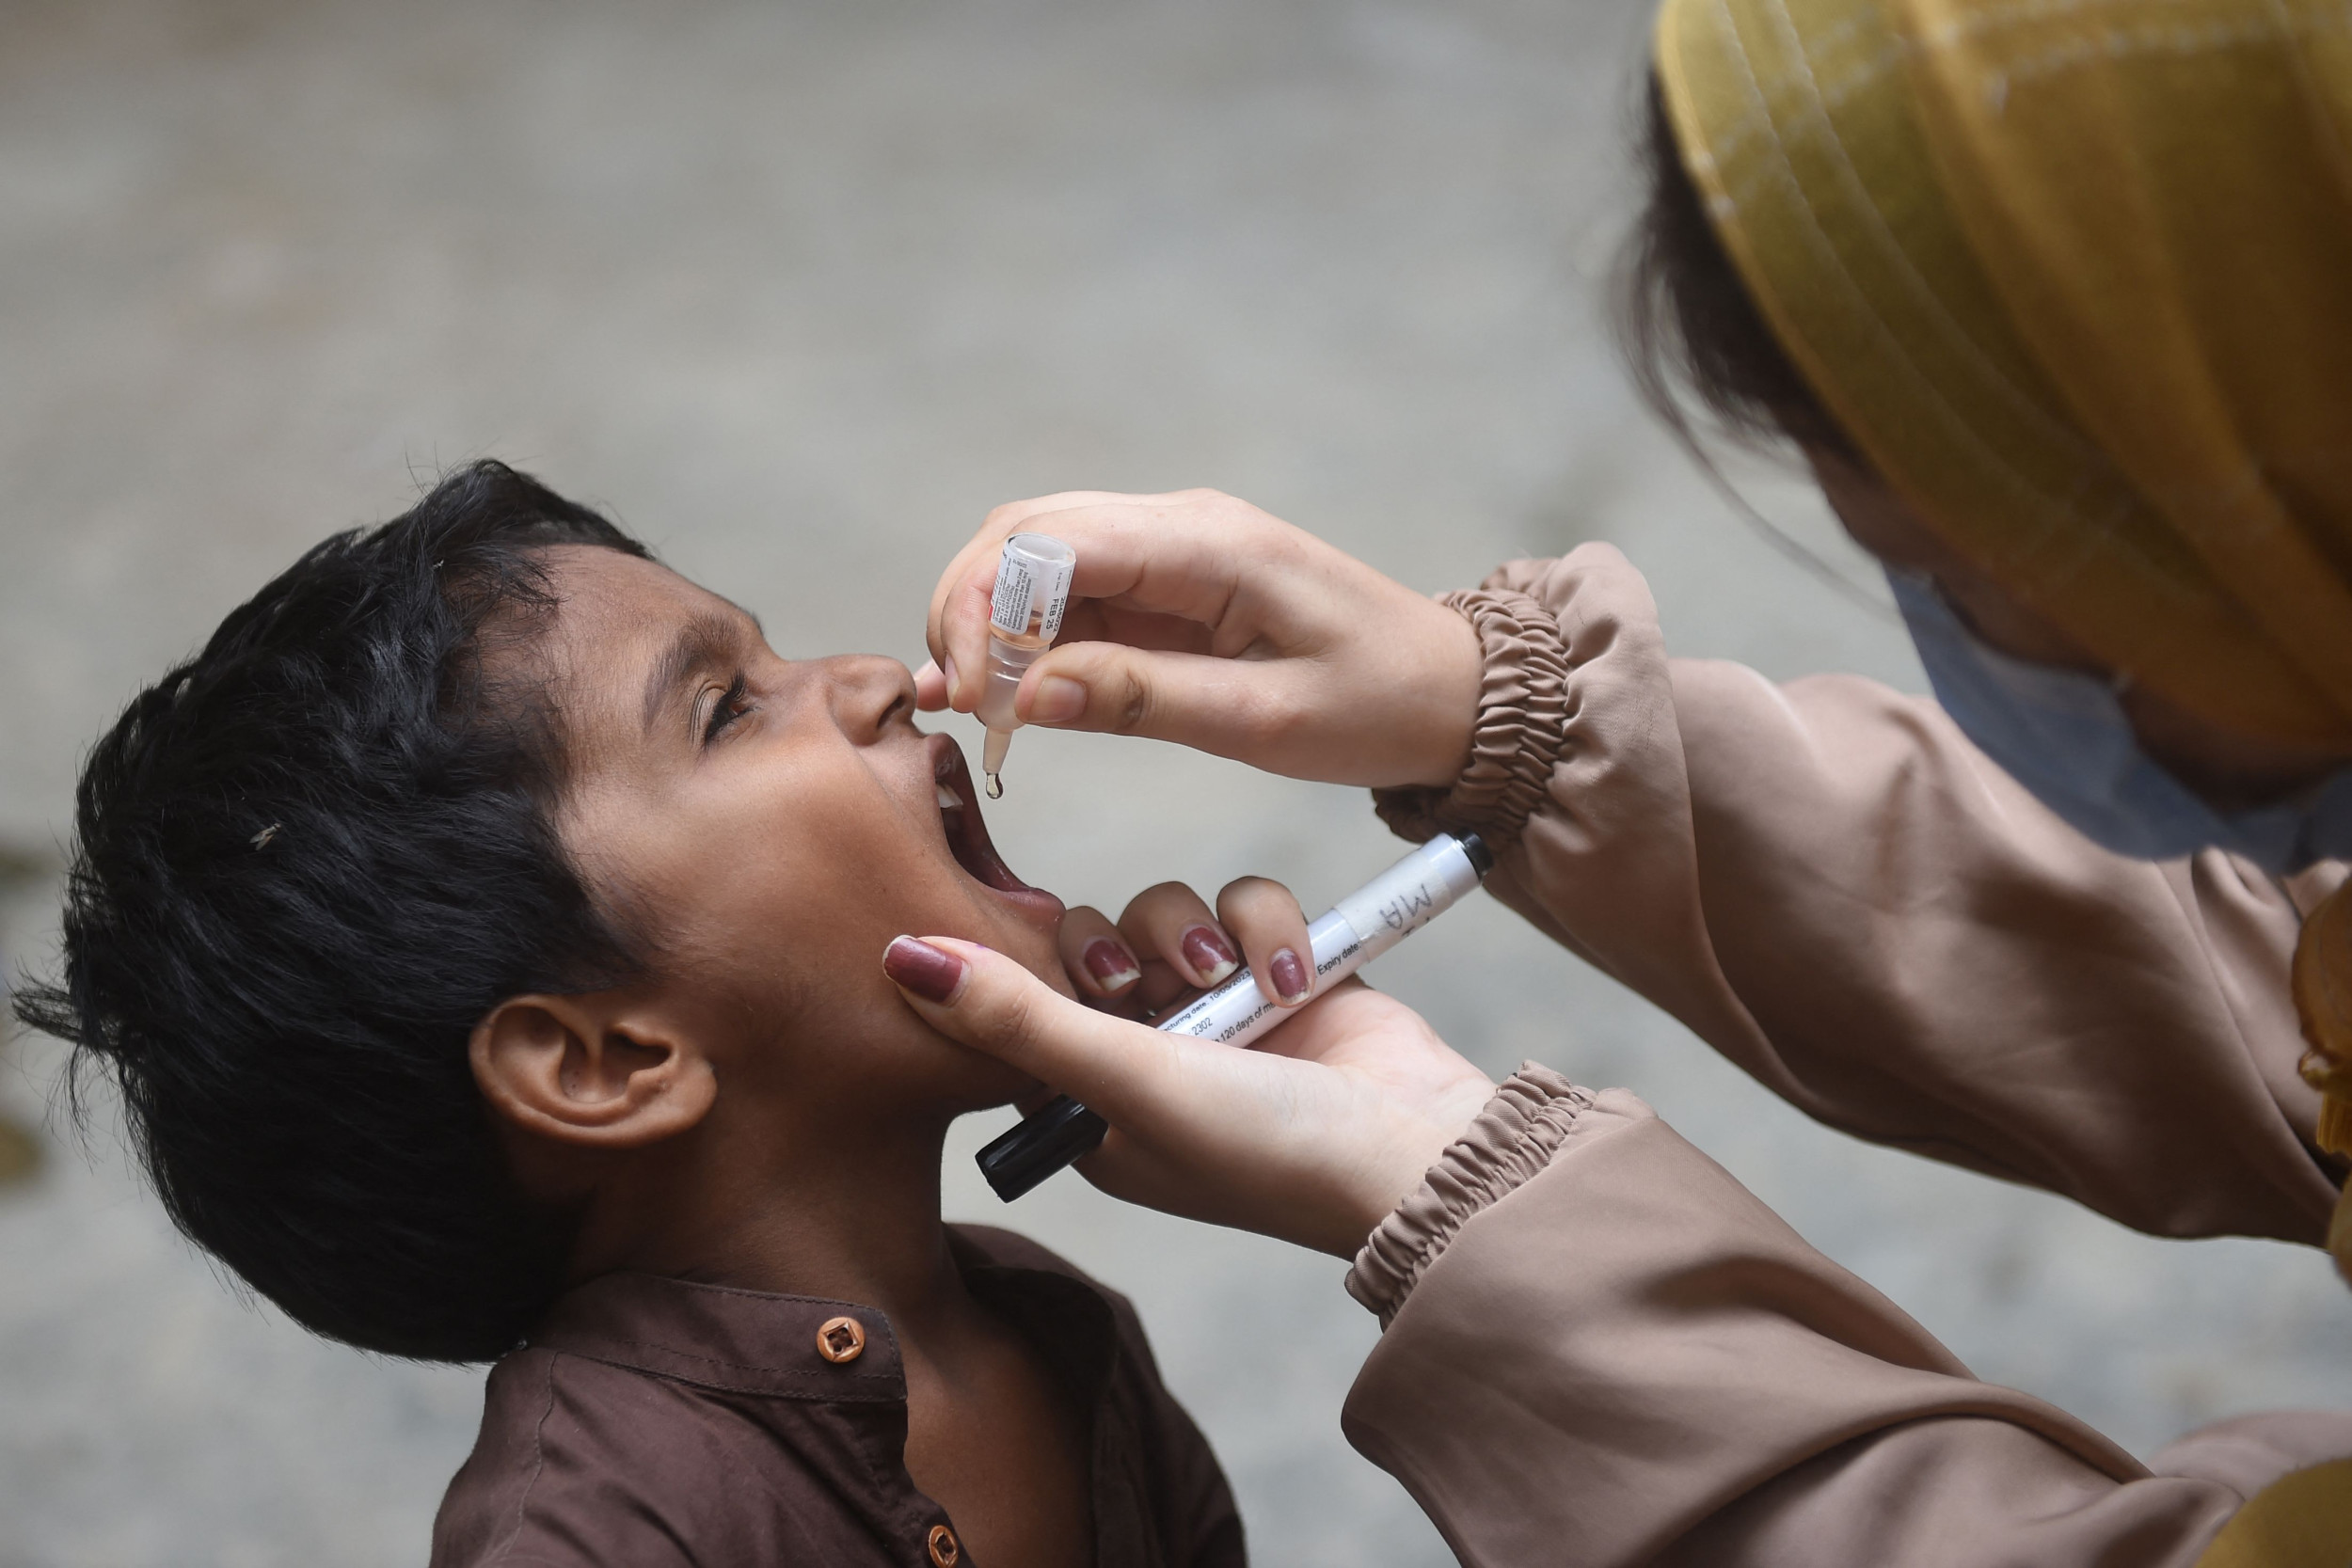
(1199,619)
(1168,946)
(1312,1137)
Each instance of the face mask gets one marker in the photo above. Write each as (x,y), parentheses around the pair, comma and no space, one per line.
(2063,735)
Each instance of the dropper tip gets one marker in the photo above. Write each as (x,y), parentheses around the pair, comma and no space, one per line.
(995,787)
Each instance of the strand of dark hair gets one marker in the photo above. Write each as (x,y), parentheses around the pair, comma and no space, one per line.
(1690,333)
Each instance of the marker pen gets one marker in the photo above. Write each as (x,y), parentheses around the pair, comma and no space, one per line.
(1355,930)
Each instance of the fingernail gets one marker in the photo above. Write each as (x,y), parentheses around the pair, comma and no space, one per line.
(947,667)
(1059,700)
(1210,955)
(1290,976)
(1112,964)
(930,973)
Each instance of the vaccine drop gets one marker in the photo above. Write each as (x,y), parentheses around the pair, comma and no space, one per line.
(1024,612)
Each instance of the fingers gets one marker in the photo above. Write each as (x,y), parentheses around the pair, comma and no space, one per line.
(1181,555)
(1273,934)
(1097,959)
(1256,920)
(1243,708)
(959,620)
(1171,923)
(930,688)
(1199,620)
(957,627)
(1313,1144)
(984,1000)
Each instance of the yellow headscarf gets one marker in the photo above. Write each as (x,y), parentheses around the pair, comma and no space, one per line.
(2077,275)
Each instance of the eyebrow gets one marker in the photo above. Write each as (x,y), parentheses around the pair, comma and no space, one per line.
(703,643)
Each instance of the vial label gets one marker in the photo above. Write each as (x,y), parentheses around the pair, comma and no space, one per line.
(1024,589)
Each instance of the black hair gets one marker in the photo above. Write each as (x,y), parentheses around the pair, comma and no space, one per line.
(1686,322)
(308,861)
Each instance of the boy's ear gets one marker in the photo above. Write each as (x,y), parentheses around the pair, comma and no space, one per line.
(593,1071)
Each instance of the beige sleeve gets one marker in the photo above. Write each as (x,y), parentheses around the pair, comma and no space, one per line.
(1829,885)
(1601,1350)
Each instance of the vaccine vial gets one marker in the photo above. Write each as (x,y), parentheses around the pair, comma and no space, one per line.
(1032,589)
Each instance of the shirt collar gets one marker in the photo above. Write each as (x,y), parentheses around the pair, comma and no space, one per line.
(774,1345)
(721,1337)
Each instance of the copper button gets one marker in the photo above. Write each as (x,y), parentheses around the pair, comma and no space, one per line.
(841,1339)
(944,1551)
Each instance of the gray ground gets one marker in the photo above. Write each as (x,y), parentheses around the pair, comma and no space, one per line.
(800,291)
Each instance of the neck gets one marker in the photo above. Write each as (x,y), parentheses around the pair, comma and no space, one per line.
(846,1212)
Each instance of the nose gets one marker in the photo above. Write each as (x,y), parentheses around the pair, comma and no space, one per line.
(872,696)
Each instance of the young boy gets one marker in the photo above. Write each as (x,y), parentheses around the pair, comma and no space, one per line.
(483,932)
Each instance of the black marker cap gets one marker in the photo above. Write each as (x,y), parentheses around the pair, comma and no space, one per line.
(1058,1132)
(1481,858)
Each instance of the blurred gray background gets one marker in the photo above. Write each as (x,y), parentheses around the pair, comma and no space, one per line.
(799,291)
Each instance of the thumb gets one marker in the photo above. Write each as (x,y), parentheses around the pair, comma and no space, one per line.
(1227,706)
(980,998)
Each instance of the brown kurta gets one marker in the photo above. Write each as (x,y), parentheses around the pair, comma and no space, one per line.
(1600,1348)
(653,1422)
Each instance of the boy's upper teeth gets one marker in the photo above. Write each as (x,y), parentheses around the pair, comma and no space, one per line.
(950,799)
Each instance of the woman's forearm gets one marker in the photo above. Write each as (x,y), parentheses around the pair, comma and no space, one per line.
(1602,1350)
(1832,887)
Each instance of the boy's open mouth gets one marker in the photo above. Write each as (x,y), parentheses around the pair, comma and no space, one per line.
(967,833)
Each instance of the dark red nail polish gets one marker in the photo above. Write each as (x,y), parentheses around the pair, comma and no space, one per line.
(1289,975)
(1112,964)
(1210,956)
(930,973)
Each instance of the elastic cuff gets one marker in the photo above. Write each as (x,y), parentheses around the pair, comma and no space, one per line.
(1522,724)
(1513,1138)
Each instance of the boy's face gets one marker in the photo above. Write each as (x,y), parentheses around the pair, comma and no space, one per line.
(771,825)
